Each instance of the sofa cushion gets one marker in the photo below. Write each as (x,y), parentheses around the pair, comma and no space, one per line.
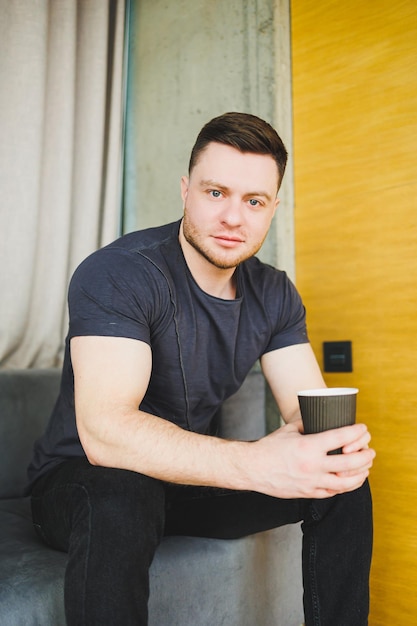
(31,575)
(240,582)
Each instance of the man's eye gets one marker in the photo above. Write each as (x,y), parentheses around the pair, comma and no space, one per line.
(254,202)
(215,193)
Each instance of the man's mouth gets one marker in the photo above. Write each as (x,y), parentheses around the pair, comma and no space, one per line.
(228,241)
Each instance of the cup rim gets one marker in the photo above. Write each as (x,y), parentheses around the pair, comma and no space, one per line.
(328,391)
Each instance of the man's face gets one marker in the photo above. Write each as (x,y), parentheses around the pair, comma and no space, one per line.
(229,202)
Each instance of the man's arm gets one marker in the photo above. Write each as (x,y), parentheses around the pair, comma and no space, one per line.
(288,371)
(111,376)
(292,369)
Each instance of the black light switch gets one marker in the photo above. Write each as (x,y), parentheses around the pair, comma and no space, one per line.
(337,356)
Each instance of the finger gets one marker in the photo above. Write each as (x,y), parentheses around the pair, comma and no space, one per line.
(329,493)
(296,425)
(350,473)
(351,464)
(342,437)
(343,484)
(353,472)
(359,444)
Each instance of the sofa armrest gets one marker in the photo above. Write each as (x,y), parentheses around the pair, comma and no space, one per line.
(26,401)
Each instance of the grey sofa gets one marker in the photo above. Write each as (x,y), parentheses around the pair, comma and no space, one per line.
(254,581)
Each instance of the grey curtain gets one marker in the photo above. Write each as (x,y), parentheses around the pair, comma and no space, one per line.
(61,112)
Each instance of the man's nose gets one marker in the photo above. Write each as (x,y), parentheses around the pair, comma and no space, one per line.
(232,212)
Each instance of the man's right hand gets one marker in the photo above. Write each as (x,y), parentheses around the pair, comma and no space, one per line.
(289,464)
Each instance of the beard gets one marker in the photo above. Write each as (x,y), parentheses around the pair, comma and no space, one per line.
(224,260)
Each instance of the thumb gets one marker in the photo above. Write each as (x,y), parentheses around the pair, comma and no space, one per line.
(294,427)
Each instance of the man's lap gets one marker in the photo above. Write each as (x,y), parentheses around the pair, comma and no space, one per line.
(189,510)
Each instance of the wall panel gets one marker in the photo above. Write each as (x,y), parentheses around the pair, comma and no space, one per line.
(355,129)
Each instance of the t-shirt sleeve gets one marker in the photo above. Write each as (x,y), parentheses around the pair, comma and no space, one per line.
(289,315)
(111,294)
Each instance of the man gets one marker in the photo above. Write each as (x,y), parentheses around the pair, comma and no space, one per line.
(171,320)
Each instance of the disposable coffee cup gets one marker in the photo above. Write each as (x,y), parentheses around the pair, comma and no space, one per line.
(324,409)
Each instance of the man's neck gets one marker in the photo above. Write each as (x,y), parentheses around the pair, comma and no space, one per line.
(217,282)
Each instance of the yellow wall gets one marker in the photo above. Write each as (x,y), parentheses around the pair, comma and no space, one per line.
(355,155)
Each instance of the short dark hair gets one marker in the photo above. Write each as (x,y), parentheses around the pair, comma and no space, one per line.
(245,132)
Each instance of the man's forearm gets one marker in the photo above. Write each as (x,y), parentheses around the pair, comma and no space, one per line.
(284,464)
(153,446)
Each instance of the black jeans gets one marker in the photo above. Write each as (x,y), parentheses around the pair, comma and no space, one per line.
(111,521)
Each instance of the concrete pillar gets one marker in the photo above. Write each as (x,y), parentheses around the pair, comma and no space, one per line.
(190,61)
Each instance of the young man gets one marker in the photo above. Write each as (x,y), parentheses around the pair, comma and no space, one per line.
(171,320)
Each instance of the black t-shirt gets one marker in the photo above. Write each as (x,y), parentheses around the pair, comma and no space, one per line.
(202,347)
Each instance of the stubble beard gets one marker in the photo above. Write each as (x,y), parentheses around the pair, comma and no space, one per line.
(225,262)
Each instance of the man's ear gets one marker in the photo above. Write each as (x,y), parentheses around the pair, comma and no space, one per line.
(184,188)
(277,201)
